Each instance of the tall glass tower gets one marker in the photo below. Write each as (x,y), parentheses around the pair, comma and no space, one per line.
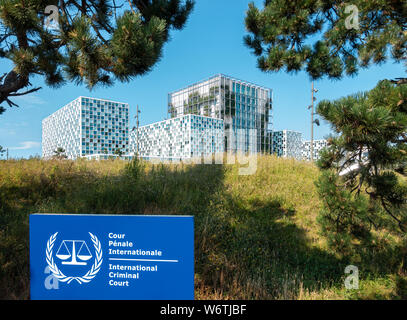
(245,108)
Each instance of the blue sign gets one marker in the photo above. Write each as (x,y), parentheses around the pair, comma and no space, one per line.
(111,257)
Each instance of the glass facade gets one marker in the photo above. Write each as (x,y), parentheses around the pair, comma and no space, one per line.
(87,126)
(240,104)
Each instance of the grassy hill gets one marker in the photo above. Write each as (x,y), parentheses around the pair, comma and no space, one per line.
(256,236)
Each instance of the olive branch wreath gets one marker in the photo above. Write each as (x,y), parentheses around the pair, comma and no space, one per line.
(58,273)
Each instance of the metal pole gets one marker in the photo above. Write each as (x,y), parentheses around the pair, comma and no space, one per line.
(137,124)
(312,122)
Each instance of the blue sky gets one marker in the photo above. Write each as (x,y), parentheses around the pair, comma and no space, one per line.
(211,43)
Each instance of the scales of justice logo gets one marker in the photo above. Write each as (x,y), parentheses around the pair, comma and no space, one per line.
(74,253)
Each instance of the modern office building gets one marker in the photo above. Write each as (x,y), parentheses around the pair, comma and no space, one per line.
(245,108)
(216,115)
(182,137)
(287,144)
(318,146)
(85,127)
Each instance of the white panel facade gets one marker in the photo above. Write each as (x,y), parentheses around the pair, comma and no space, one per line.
(287,144)
(62,129)
(318,146)
(87,126)
(183,137)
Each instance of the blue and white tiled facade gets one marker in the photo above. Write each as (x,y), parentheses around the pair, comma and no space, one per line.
(87,126)
(183,137)
(287,144)
(97,128)
(220,114)
(318,146)
(62,129)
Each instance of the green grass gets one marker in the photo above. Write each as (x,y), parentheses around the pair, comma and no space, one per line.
(256,236)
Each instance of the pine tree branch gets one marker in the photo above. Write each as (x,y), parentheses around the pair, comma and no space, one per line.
(107,27)
(399,81)
(131,7)
(347,161)
(11,103)
(404,140)
(402,228)
(13,82)
(24,93)
(36,50)
(83,7)
(2,77)
(4,37)
(114,6)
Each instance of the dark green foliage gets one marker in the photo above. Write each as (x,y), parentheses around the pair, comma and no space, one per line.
(312,35)
(343,217)
(59,153)
(362,183)
(95,42)
(118,152)
(401,284)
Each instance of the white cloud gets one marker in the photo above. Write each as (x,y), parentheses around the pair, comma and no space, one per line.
(30,99)
(26,145)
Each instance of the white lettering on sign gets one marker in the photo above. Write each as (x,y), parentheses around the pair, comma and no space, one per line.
(119,283)
(123,266)
(116,236)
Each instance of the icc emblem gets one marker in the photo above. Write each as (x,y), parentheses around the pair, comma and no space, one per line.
(74,253)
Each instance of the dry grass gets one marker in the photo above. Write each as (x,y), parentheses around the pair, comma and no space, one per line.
(255,236)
